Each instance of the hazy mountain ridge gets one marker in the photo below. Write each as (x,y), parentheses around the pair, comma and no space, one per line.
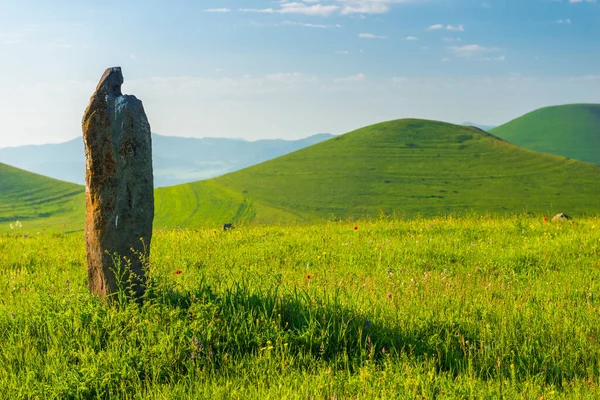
(480,126)
(176,159)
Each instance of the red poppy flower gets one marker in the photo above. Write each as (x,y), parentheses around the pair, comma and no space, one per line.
(308,276)
(545,219)
(356,227)
(178,272)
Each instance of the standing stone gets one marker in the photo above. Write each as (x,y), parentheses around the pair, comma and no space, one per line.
(119,187)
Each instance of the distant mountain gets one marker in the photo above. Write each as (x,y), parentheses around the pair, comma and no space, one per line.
(482,127)
(176,159)
(571,130)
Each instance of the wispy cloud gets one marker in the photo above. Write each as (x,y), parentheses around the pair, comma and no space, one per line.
(297,8)
(451,39)
(17,36)
(566,21)
(499,58)
(218,10)
(370,6)
(371,36)
(61,44)
(309,25)
(458,28)
(452,28)
(343,7)
(475,52)
(411,38)
(351,78)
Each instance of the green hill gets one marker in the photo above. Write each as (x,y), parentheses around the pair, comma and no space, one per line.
(570,130)
(39,202)
(415,166)
(405,167)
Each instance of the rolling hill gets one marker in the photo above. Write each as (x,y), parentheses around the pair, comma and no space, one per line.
(176,159)
(409,167)
(571,130)
(406,167)
(39,202)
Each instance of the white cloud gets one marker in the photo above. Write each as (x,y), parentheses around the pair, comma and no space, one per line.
(411,38)
(17,36)
(581,1)
(297,8)
(344,52)
(451,28)
(289,78)
(566,21)
(365,7)
(371,36)
(470,50)
(218,10)
(309,25)
(344,7)
(351,78)
(451,39)
(371,6)
(458,28)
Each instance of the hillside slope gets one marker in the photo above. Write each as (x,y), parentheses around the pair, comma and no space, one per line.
(416,166)
(571,130)
(38,202)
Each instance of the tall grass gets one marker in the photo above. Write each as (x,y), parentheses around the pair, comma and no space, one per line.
(429,308)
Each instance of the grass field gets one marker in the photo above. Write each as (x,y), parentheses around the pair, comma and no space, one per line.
(571,130)
(482,307)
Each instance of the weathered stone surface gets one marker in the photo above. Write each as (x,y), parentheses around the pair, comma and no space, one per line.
(119,186)
(561,217)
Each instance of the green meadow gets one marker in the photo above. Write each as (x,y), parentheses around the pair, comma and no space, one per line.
(429,308)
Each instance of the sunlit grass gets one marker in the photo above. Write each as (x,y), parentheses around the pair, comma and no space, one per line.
(429,308)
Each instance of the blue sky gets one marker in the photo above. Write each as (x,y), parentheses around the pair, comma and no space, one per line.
(282,69)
